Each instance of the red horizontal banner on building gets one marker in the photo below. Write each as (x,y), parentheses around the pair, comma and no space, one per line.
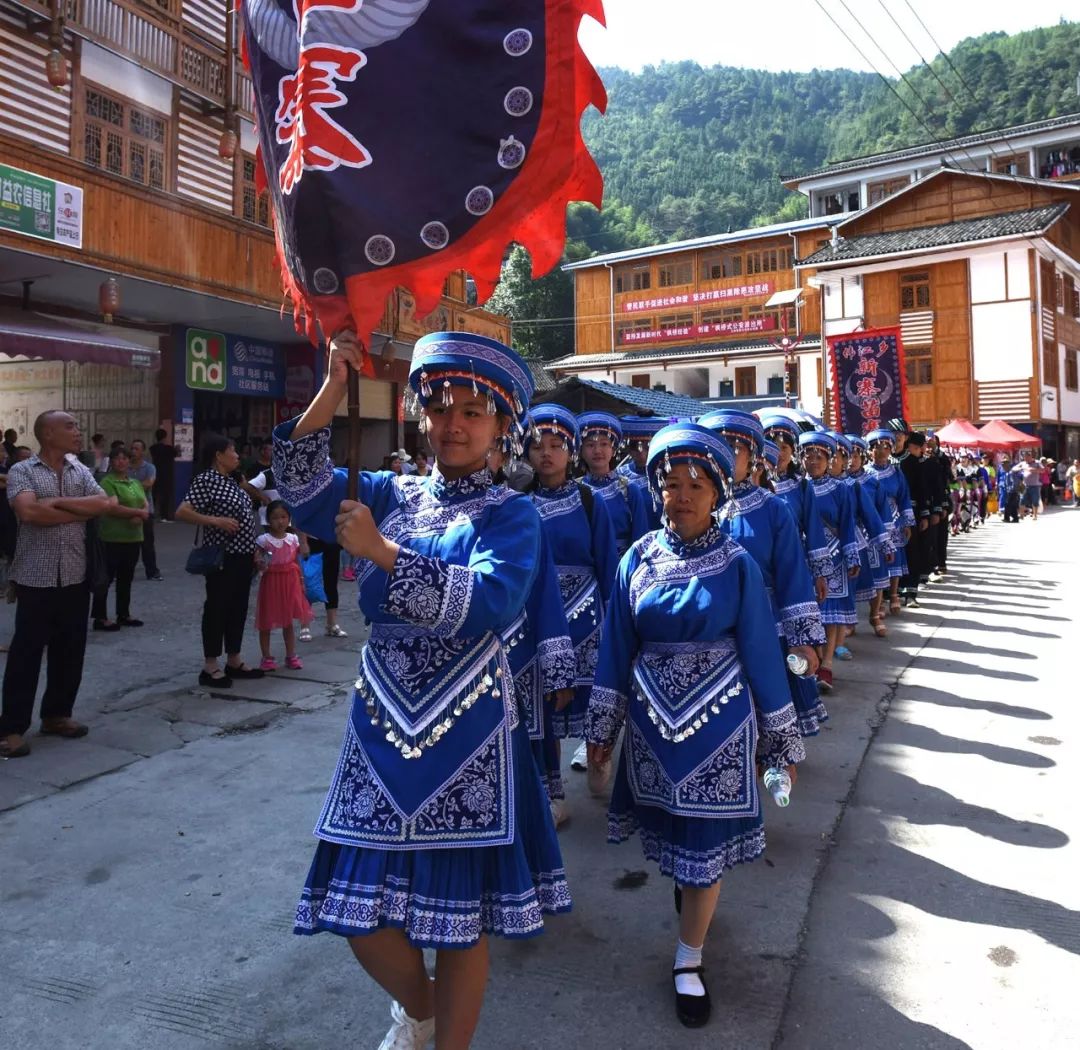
(693,331)
(713,295)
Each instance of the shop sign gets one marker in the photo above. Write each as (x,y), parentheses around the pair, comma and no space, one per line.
(695,331)
(712,295)
(230,365)
(40,207)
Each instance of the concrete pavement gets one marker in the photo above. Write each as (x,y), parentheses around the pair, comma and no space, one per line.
(151,907)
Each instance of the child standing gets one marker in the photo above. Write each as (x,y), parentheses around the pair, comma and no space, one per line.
(281,587)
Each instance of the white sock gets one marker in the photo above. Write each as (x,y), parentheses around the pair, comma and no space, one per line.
(688,983)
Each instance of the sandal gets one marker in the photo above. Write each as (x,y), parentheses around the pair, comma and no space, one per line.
(879,627)
(215,681)
(67,728)
(10,750)
(894,605)
(337,631)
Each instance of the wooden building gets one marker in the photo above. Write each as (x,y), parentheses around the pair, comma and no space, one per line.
(127,156)
(719,318)
(981,272)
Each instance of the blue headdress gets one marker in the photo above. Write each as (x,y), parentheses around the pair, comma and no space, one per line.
(842,443)
(770,451)
(881,434)
(640,429)
(442,361)
(693,445)
(857,442)
(553,419)
(733,423)
(600,423)
(782,426)
(818,439)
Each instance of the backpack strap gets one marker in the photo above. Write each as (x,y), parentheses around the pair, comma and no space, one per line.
(587,500)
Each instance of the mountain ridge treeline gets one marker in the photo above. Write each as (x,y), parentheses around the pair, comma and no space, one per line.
(687,151)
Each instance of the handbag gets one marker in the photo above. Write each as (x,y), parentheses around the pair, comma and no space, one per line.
(97,571)
(313,578)
(205,560)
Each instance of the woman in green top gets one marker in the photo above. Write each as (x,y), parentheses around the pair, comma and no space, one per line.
(122,537)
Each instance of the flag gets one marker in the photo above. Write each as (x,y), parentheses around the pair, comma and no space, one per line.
(402,140)
(868,380)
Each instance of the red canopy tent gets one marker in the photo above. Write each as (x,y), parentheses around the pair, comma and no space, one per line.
(960,433)
(1000,434)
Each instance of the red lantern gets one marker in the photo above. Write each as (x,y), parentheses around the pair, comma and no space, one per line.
(56,69)
(227,144)
(109,298)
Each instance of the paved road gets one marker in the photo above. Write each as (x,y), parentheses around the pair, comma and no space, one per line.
(919,891)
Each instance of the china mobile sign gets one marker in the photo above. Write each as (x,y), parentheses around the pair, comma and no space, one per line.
(228,364)
(713,295)
(693,331)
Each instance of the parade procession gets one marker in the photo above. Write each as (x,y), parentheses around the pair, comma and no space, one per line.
(662,628)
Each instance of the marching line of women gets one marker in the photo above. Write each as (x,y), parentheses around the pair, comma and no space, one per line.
(675,618)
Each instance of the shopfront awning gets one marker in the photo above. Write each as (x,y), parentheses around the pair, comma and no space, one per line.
(24,333)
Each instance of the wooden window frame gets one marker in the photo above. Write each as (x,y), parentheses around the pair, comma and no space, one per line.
(641,380)
(682,320)
(1072,373)
(1051,371)
(884,189)
(84,122)
(1021,160)
(675,274)
(916,279)
(261,200)
(919,365)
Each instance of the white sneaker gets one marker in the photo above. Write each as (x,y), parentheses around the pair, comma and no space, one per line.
(598,778)
(559,814)
(406,1033)
(580,761)
(305,634)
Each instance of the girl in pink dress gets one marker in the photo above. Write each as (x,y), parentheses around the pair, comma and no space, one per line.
(281,587)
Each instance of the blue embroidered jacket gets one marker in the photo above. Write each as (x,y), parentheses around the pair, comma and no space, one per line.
(762,523)
(628,469)
(626,507)
(835,503)
(427,760)
(690,660)
(799,495)
(541,653)
(893,484)
(586,560)
(872,513)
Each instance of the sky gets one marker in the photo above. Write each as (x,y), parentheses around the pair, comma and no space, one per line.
(797,35)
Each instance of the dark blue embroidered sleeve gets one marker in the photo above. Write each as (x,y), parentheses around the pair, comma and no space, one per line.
(428,592)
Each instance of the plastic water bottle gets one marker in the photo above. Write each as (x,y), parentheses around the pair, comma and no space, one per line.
(778,784)
(798,665)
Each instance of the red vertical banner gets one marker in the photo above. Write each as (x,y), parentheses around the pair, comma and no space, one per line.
(868,380)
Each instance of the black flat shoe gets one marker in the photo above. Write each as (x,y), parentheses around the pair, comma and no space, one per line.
(243,672)
(101,625)
(678,899)
(208,680)
(693,1010)
(129,621)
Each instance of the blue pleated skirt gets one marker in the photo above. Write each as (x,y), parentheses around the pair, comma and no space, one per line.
(694,851)
(809,710)
(569,723)
(445,898)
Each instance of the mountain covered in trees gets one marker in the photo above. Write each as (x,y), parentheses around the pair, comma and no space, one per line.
(688,151)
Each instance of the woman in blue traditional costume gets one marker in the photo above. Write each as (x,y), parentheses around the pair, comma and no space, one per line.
(436,831)
(601,436)
(762,523)
(637,432)
(691,662)
(873,578)
(578,531)
(836,508)
(797,491)
(543,664)
(901,518)
(763,472)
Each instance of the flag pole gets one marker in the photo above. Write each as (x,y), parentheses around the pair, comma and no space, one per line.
(352,401)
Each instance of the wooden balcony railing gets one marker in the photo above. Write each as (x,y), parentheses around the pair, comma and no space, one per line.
(153,34)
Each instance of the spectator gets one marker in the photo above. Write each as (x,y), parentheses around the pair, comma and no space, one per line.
(263,481)
(122,535)
(1072,479)
(163,456)
(216,502)
(407,466)
(1049,497)
(11,438)
(53,496)
(393,462)
(1008,489)
(8,527)
(331,566)
(1030,473)
(420,461)
(143,471)
(98,454)
(281,599)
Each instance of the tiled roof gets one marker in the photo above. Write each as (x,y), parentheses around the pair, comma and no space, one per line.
(541,376)
(713,239)
(658,402)
(576,362)
(965,231)
(939,146)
